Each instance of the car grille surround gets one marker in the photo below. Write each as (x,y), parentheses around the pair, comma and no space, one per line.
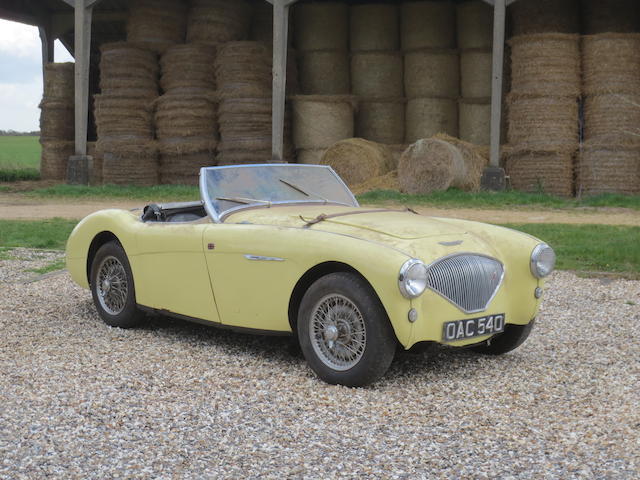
(469,281)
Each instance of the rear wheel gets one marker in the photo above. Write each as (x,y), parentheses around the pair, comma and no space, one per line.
(512,337)
(344,331)
(112,287)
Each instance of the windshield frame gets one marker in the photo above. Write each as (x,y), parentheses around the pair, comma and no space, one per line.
(219,216)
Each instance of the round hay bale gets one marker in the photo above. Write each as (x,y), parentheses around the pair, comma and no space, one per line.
(612,119)
(468,178)
(54,158)
(377,74)
(243,69)
(218,21)
(543,123)
(186,145)
(432,73)
(126,162)
(184,168)
(321,26)
(475,24)
(388,181)
(474,118)
(357,160)
(156,24)
(608,169)
(601,16)
(381,120)
(546,64)
(123,117)
(428,24)
(186,115)
(374,27)
(310,156)
(56,120)
(428,165)
(545,16)
(126,70)
(188,66)
(59,81)
(475,73)
(245,157)
(611,63)
(427,116)
(324,72)
(541,172)
(320,121)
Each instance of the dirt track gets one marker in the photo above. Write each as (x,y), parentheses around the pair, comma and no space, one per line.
(18,207)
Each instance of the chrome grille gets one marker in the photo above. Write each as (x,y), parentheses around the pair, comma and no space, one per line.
(468,281)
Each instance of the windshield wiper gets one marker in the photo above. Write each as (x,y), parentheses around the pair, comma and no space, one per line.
(299,189)
(242,200)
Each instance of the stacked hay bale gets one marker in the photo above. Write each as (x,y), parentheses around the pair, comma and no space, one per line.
(606,16)
(543,131)
(475,37)
(610,156)
(357,160)
(186,115)
(431,68)
(218,21)
(545,16)
(156,24)
(377,72)
(124,119)
(57,121)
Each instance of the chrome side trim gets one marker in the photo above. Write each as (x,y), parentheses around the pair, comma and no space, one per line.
(263,259)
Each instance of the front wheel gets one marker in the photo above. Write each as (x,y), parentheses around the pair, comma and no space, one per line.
(512,337)
(112,287)
(344,331)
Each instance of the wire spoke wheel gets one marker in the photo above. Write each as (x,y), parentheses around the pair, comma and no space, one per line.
(338,333)
(112,286)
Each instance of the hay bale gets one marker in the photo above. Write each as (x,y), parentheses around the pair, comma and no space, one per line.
(428,24)
(474,163)
(388,181)
(54,158)
(474,118)
(123,117)
(184,168)
(611,63)
(128,71)
(545,16)
(541,172)
(245,157)
(543,123)
(427,116)
(324,72)
(601,16)
(429,165)
(188,67)
(432,73)
(374,27)
(310,156)
(608,169)
(475,73)
(381,120)
(475,24)
(127,162)
(319,121)
(396,152)
(186,115)
(545,64)
(377,74)
(56,120)
(243,69)
(357,160)
(156,24)
(612,119)
(321,26)
(218,21)
(59,81)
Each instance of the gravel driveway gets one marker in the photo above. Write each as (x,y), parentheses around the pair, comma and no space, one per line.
(174,400)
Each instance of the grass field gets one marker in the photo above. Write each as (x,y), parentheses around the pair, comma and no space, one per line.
(19,158)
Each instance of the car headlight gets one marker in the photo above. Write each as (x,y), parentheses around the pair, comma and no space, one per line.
(543,260)
(413,278)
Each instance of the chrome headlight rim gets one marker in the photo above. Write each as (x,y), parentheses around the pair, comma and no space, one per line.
(535,259)
(403,275)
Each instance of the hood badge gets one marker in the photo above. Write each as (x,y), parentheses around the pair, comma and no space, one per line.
(451,244)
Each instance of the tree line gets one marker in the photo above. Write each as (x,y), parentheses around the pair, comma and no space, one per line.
(13,133)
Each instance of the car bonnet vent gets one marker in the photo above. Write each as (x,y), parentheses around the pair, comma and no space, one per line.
(468,281)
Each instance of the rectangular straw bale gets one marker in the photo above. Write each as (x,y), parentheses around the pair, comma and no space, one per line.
(611,63)
(546,172)
(612,119)
(602,16)
(609,169)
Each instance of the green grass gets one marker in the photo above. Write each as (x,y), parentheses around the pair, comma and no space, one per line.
(19,158)
(453,198)
(51,267)
(156,193)
(46,234)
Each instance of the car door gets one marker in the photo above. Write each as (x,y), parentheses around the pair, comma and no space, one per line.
(171,271)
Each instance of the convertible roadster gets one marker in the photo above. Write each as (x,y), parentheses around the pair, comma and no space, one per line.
(286,249)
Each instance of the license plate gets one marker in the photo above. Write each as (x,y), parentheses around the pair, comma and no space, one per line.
(473,327)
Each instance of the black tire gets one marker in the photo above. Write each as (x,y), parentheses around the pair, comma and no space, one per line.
(118,309)
(512,337)
(374,349)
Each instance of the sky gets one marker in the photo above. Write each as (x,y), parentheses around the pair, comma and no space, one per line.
(21,75)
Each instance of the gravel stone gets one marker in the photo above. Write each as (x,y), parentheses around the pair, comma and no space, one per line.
(79,399)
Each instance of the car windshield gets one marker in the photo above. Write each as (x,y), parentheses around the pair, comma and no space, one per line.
(229,188)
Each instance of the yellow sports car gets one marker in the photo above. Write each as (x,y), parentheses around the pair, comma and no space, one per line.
(286,249)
